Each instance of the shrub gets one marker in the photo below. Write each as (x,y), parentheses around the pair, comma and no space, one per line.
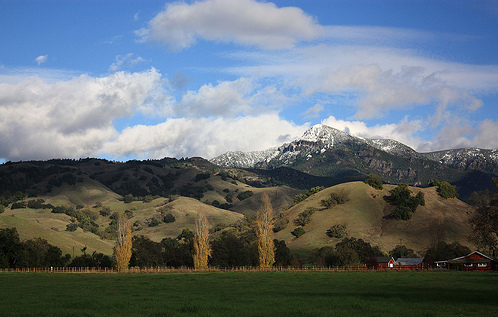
(374,180)
(335,199)
(337,231)
(19,205)
(36,204)
(305,217)
(105,211)
(201,176)
(244,195)
(128,199)
(299,231)
(169,218)
(71,227)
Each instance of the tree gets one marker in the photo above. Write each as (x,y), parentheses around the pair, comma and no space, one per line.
(264,230)
(304,217)
(446,190)
(374,180)
(299,231)
(337,231)
(401,251)
(122,249)
(484,220)
(202,249)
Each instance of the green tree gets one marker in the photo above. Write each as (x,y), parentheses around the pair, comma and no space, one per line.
(337,231)
(304,217)
(375,181)
(401,251)
(299,231)
(446,190)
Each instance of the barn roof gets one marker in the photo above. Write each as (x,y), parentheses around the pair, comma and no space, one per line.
(409,261)
(383,259)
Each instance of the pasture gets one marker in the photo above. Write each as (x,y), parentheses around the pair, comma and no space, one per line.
(250,294)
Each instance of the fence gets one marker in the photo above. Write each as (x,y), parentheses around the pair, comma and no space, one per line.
(192,270)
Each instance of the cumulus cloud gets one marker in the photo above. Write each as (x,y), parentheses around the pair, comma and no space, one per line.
(206,137)
(41,59)
(405,131)
(461,135)
(228,98)
(72,118)
(245,22)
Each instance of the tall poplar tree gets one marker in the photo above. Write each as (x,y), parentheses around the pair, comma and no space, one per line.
(264,232)
(202,249)
(122,249)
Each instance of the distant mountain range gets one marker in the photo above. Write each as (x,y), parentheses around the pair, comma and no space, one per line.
(327,152)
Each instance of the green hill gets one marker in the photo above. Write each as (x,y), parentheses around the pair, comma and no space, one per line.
(366,216)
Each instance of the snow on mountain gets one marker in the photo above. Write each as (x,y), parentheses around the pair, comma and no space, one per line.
(320,138)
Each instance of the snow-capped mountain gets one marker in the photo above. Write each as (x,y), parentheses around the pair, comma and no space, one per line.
(315,140)
(321,138)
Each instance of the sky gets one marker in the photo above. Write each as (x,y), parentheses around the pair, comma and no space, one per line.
(150,79)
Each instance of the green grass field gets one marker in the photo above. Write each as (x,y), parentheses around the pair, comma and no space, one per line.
(250,294)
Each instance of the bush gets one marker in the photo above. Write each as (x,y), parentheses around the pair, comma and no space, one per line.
(19,205)
(337,231)
(300,197)
(169,218)
(299,231)
(128,199)
(244,195)
(374,180)
(71,227)
(305,217)
(36,204)
(202,176)
(335,199)
(105,211)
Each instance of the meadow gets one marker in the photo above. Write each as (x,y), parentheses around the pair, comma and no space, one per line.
(250,294)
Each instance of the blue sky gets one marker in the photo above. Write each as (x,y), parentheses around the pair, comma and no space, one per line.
(149,79)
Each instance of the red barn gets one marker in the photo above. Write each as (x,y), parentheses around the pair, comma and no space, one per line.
(383,262)
(475,261)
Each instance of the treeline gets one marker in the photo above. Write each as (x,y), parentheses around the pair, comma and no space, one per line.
(37,253)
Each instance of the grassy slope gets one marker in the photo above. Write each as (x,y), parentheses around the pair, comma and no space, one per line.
(364,216)
(44,224)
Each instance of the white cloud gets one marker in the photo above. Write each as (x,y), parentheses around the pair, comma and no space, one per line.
(245,22)
(228,98)
(405,131)
(41,59)
(125,60)
(206,137)
(73,118)
(314,111)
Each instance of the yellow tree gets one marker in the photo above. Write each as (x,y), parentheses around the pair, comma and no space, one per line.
(202,249)
(122,249)
(264,232)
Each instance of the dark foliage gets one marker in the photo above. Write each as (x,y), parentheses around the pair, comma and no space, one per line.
(299,231)
(374,180)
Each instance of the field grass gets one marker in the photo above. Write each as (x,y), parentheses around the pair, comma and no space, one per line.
(250,294)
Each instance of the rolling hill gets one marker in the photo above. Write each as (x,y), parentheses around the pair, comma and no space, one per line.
(366,216)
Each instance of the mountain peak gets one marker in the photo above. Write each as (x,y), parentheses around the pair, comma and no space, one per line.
(323,134)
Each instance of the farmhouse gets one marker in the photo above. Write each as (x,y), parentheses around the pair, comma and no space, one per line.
(410,264)
(475,261)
